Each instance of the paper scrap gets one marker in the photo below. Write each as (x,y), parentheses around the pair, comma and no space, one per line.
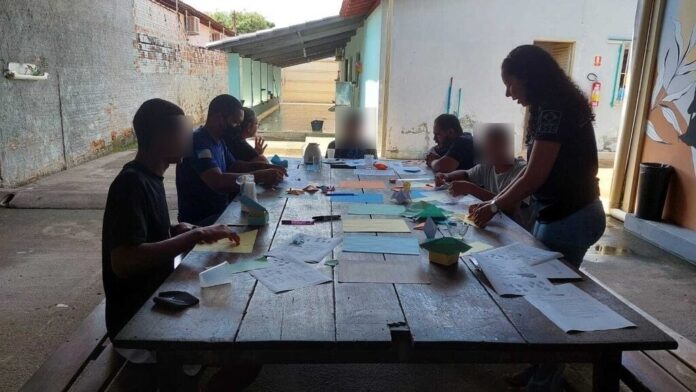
(306,248)
(572,309)
(374,172)
(224,272)
(365,184)
(382,271)
(381,244)
(375,226)
(246,244)
(285,274)
(372,198)
(375,209)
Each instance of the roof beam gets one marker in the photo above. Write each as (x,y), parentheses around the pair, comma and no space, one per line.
(307,45)
(299,51)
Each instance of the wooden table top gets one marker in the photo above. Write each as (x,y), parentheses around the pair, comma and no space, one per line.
(458,311)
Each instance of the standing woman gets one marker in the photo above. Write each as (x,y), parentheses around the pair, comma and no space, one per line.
(561,173)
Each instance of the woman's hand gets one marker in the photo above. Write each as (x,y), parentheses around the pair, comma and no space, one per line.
(441,179)
(260,145)
(461,188)
(214,233)
(481,213)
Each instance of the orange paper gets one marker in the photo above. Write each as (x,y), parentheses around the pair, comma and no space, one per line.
(373,184)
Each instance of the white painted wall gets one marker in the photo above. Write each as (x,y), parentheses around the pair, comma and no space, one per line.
(468,39)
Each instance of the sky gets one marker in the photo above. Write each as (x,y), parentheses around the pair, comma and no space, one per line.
(281,12)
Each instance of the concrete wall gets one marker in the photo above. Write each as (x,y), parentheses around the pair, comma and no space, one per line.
(104,58)
(313,82)
(251,80)
(466,39)
(671,130)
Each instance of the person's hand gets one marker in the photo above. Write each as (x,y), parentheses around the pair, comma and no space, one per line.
(430,157)
(214,233)
(460,188)
(260,145)
(441,179)
(482,214)
(181,228)
(281,169)
(268,176)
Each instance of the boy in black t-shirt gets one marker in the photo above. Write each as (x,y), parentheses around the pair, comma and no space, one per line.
(138,242)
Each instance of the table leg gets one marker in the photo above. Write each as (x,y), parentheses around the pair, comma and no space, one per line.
(167,372)
(605,372)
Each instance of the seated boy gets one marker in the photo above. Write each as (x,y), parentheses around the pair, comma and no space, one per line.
(351,142)
(138,242)
(455,148)
(206,180)
(236,139)
(498,169)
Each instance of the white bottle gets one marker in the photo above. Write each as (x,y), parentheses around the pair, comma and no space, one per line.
(247,188)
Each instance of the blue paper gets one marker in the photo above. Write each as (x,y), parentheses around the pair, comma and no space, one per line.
(280,162)
(359,198)
(381,244)
(416,194)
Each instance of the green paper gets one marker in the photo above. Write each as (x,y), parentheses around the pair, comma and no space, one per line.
(445,245)
(431,212)
(375,209)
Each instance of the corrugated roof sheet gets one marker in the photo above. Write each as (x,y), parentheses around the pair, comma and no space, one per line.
(292,45)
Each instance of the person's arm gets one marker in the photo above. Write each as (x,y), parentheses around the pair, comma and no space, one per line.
(246,167)
(133,260)
(260,159)
(463,188)
(457,175)
(543,156)
(444,164)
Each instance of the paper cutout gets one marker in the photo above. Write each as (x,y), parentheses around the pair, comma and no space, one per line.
(373,198)
(362,184)
(311,189)
(430,228)
(285,274)
(381,244)
(246,244)
(382,271)
(305,248)
(224,272)
(375,226)
(375,209)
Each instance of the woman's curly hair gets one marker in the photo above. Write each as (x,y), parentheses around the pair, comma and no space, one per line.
(546,85)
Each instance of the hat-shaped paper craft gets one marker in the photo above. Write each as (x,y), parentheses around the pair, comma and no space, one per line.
(257,215)
(445,250)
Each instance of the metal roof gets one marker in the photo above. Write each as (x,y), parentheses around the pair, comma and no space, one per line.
(292,45)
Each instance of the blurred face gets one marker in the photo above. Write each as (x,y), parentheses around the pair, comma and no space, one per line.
(252,128)
(515,89)
(173,142)
(442,136)
(496,150)
(233,120)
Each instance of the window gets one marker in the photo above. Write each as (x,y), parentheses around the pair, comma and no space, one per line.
(621,76)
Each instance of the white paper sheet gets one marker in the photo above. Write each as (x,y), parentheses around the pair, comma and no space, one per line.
(511,277)
(305,248)
(223,273)
(572,309)
(374,172)
(555,269)
(521,252)
(285,274)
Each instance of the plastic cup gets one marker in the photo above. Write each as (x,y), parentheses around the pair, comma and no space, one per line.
(330,153)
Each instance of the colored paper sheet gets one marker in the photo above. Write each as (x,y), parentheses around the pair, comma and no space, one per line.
(375,209)
(381,244)
(477,246)
(374,172)
(374,184)
(246,244)
(382,271)
(375,226)
(224,272)
(374,198)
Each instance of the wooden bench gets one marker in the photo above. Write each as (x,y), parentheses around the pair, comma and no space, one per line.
(85,362)
(663,370)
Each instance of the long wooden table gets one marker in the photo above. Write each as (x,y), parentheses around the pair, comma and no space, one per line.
(457,318)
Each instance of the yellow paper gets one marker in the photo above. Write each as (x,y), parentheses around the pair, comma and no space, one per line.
(375,226)
(477,246)
(373,184)
(246,244)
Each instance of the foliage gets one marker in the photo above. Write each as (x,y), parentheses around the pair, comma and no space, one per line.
(246,22)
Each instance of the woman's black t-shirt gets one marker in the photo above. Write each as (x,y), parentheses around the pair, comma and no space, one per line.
(572,183)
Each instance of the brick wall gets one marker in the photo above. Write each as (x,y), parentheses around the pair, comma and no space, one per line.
(104,58)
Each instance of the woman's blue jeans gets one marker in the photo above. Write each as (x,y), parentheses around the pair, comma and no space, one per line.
(572,236)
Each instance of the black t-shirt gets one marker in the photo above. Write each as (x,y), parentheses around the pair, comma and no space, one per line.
(462,150)
(357,152)
(136,212)
(572,183)
(239,147)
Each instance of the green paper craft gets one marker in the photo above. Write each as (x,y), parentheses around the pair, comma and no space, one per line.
(431,212)
(446,245)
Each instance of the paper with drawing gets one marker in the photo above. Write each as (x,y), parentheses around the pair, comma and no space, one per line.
(305,248)
(284,274)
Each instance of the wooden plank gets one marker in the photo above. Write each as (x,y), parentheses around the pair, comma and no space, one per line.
(133,377)
(99,373)
(675,367)
(63,365)
(302,315)
(365,312)
(641,371)
(216,319)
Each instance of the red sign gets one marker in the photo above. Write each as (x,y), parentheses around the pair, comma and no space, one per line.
(597,61)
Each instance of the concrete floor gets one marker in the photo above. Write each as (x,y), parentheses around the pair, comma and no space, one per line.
(50,279)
